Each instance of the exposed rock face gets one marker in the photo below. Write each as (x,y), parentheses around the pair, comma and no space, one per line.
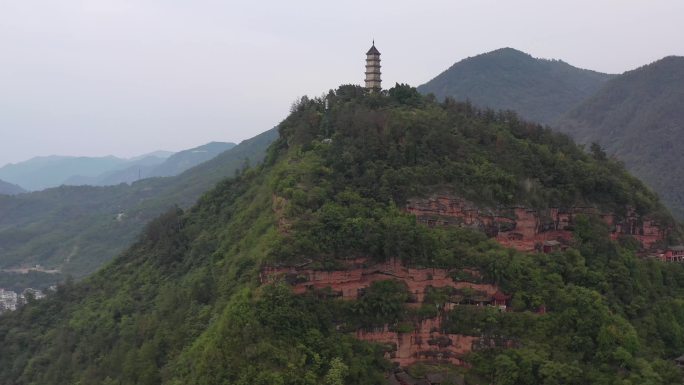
(528,229)
(350,283)
(427,342)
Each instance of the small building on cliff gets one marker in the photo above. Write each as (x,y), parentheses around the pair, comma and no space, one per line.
(679,361)
(673,254)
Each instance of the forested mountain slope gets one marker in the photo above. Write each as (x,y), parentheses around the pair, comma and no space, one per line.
(187,303)
(75,229)
(187,159)
(507,79)
(638,117)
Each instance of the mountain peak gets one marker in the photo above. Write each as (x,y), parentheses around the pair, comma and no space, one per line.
(506,51)
(509,79)
(666,66)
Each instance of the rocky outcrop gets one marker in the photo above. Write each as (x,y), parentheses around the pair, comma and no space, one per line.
(427,342)
(527,229)
(350,283)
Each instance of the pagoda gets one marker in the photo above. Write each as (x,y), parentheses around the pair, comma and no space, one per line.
(373,69)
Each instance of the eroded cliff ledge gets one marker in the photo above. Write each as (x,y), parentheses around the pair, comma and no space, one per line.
(427,341)
(526,229)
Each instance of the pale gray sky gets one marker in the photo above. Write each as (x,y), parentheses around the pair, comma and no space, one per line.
(125,77)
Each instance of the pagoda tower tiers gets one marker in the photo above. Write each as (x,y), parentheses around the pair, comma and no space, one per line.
(373,69)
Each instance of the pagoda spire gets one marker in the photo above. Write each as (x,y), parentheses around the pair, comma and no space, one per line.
(373,81)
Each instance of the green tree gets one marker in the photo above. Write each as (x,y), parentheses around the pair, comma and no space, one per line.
(337,372)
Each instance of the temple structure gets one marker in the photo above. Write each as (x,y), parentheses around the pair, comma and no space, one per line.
(373,81)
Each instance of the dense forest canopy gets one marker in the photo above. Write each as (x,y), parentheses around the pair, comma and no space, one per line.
(538,89)
(185,305)
(638,118)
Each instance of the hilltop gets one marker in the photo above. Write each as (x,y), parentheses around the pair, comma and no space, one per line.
(507,79)
(76,229)
(222,293)
(638,117)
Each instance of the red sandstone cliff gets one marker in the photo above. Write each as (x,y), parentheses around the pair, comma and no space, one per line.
(427,341)
(527,229)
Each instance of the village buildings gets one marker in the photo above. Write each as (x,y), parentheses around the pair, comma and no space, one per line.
(673,254)
(11,301)
(8,300)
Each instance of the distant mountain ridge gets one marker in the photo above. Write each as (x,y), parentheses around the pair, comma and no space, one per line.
(78,228)
(51,171)
(48,171)
(507,79)
(187,159)
(7,188)
(127,172)
(639,118)
(150,166)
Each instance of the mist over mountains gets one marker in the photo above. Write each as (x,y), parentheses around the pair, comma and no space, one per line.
(51,171)
(150,166)
(75,229)
(48,171)
(7,188)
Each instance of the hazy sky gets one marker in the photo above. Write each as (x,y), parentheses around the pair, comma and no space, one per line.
(125,77)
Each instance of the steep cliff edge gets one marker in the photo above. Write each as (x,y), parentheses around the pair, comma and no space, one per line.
(421,339)
(527,229)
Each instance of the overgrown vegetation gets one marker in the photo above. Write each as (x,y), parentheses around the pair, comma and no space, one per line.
(184,305)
